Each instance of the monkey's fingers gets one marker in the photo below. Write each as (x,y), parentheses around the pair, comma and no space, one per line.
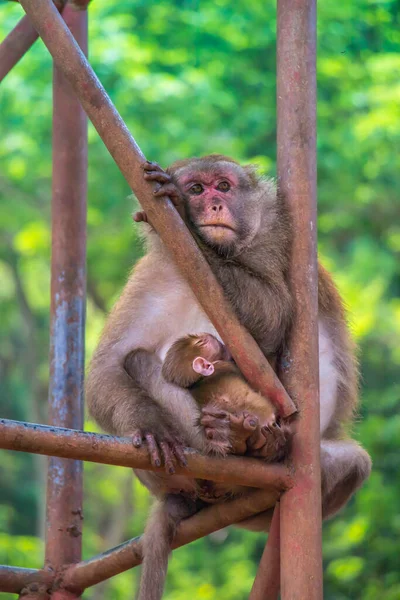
(168,457)
(215,422)
(178,451)
(160,176)
(272,428)
(137,439)
(256,442)
(169,189)
(150,165)
(213,411)
(140,216)
(250,423)
(153,450)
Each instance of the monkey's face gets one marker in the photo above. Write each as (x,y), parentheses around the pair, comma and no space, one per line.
(219,203)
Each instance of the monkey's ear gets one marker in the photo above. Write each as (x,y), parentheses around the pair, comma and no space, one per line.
(202,366)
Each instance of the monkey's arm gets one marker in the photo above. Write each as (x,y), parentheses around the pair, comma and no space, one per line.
(263,305)
(122,407)
(146,369)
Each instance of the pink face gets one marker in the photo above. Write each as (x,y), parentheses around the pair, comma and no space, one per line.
(215,203)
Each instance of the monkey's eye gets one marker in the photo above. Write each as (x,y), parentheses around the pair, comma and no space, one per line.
(197,189)
(224,186)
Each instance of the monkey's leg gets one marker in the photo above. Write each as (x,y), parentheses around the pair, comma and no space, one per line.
(345,465)
(159,533)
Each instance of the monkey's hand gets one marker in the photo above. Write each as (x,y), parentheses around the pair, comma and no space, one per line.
(216,425)
(270,442)
(243,428)
(163,446)
(227,433)
(166,187)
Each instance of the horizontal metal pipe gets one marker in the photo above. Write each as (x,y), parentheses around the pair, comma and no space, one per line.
(106,449)
(13,579)
(172,230)
(129,554)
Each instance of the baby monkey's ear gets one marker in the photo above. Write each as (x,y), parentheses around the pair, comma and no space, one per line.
(202,366)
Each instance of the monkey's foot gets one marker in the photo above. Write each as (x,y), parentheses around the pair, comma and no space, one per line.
(162,449)
(165,187)
(243,427)
(216,425)
(270,442)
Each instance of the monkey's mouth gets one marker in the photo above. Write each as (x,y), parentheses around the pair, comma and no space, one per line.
(217,226)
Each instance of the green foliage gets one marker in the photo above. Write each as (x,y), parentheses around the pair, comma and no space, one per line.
(191,78)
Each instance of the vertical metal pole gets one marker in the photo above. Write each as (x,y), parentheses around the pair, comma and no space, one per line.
(301,552)
(267,582)
(68,290)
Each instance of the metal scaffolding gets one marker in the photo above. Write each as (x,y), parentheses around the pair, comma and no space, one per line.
(292,560)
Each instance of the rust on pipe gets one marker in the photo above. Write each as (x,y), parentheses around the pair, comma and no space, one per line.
(14,579)
(301,552)
(17,43)
(68,299)
(174,233)
(267,582)
(109,450)
(206,521)
(35,591)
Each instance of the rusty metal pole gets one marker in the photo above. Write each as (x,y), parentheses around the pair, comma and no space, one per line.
(68,297)
(128,555)
(110,450)
(267,581)
(18,42)
(301,552)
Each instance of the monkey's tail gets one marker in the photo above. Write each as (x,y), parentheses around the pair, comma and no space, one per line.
(157,539)
(158,536)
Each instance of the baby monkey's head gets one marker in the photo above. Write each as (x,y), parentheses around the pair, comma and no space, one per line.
(192,357)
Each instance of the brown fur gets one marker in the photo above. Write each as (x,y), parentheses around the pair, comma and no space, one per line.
(125,390)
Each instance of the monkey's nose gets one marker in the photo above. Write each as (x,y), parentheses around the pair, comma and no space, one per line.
(217,208)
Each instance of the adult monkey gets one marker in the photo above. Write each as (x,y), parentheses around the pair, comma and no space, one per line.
(243,228)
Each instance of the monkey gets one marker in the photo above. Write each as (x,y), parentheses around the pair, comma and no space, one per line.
(202,364)
(242,225)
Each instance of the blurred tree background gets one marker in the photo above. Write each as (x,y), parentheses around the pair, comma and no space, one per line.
(190,78)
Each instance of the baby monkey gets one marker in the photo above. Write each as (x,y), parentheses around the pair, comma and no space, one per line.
(236,418)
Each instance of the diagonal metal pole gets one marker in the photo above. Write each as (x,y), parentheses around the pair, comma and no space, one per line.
(129,554)
(175,235)
(68,300)
(18,42)
(301,552)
